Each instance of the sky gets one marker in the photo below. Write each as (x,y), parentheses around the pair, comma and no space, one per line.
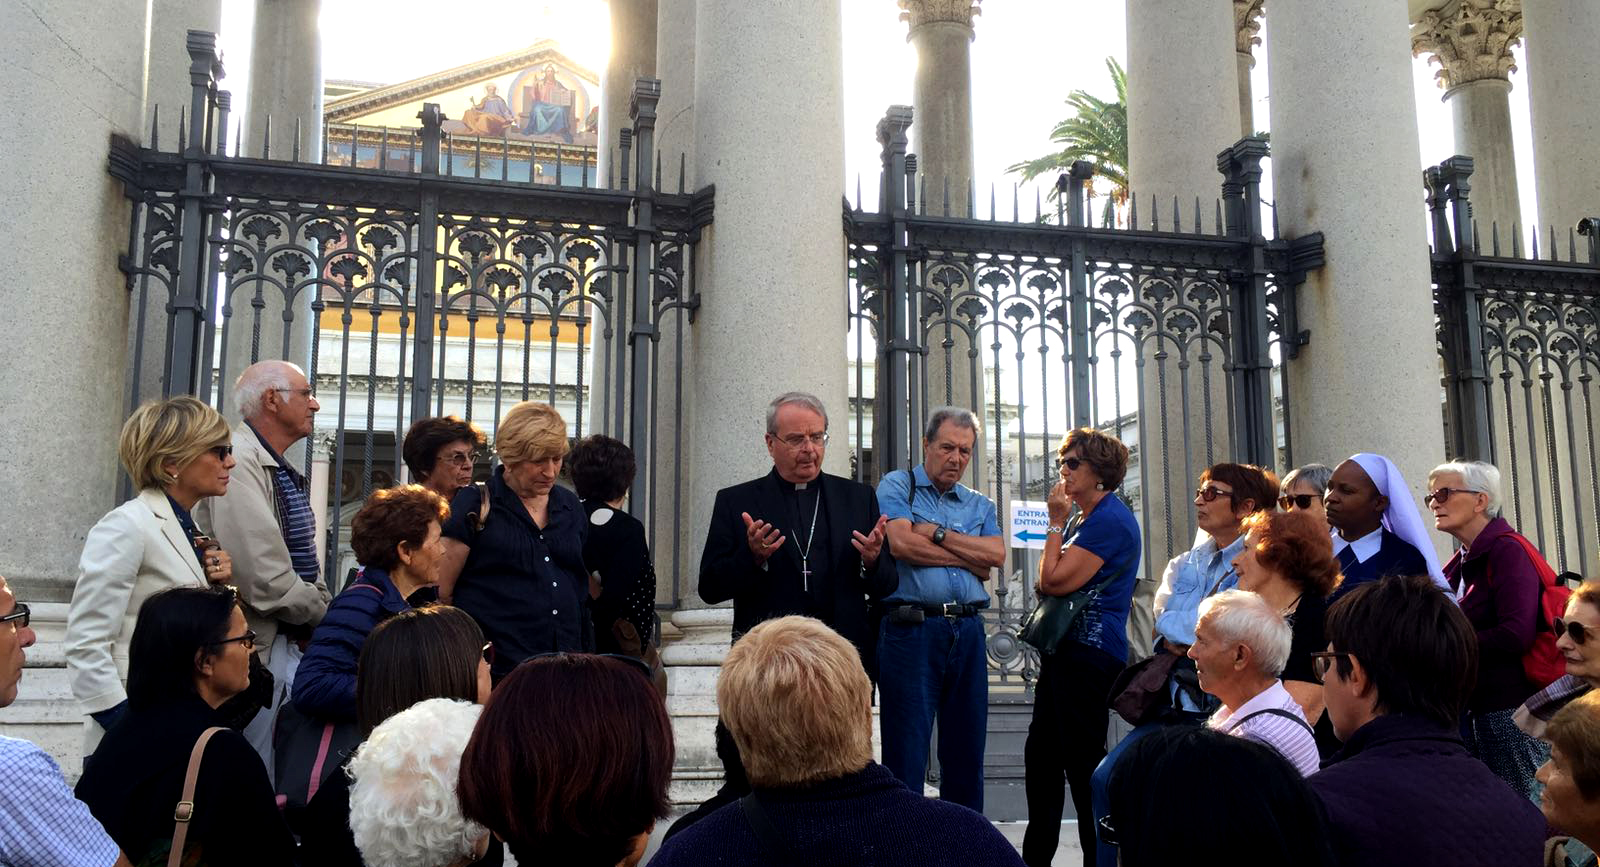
(1026,57)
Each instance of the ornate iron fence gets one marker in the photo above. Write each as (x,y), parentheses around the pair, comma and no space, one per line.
(1519,339)
(1164,336)
(407,291)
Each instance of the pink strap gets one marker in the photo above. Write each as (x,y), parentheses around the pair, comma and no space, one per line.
(322,758)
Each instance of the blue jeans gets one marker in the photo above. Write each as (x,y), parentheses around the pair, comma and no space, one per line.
(935,668)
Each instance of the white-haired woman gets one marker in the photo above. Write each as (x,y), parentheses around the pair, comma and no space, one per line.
(403,806)
(1241,646)
(1498,580)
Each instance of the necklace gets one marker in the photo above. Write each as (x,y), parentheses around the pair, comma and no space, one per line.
(805,553)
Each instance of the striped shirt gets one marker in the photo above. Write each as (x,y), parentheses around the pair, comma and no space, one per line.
(44,825)
(1262,720)
(295,518)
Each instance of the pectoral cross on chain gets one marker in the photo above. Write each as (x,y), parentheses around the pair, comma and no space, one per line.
(805,577)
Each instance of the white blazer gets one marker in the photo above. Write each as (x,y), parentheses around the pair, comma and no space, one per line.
(137,549)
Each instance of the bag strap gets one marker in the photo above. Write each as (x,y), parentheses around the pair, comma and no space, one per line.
(185,809)
(761,824)
(481,516)
(322,759)
(1274,711)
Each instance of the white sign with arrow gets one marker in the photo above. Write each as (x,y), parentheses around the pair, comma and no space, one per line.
(1029,518)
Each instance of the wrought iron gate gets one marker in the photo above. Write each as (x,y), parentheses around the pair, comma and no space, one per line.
(1167,337)
(406,289)
(1520,342)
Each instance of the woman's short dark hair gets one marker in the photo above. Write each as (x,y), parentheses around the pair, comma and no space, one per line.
(428,435)
(391,516)
(172,625)
(1575,731)
(420,653)
(1297,546)
(570,761)
(1106,454)
(1249,482)
(1257,809)
(602,468)
(1418,649)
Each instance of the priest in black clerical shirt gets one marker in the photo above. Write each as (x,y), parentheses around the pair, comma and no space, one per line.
(798,540)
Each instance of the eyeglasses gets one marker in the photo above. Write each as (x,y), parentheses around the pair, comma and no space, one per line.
(1107,832)
(248,639)
(463,459)
(488,653)
(21,615)
(1211,492)
(223,452)
(1296,501)
(634,662)
(1574,630)
(303,392)
(1443,494)
(1322,660)
(798,441)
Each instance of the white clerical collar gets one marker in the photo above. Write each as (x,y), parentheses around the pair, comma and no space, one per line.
(800,486)
(1364,547)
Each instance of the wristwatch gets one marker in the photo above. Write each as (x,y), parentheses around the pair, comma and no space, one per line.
(1058,529)
(938,535)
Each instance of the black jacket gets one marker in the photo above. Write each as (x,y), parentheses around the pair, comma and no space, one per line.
(840,592)
(135,779)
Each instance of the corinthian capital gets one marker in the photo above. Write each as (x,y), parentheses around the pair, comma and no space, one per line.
(920,12)
(1470,39)
(1247,24)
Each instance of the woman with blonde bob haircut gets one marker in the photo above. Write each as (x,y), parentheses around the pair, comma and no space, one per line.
(177,452)
(513,547)
(799,706)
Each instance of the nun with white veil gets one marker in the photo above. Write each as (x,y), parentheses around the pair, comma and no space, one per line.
(1377,529)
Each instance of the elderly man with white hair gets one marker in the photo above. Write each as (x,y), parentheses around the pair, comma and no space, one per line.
(267,524)
(1241,646)
(403,806)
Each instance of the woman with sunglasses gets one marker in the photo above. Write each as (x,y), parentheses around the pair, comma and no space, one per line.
(190,652)
(177,453)
(1303,487)
(1578,639)
(432,652)
(1498,583)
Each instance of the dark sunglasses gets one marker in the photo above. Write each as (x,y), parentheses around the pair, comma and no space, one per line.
(1106,831)
(22,615)
(1070,463)
(1322,660)
(1211,492)
(1297,501)
(634,662)
(1574,630)
(223,452)
(1443,494)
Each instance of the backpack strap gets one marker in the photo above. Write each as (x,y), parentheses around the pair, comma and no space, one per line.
(481,517)
(1274,711)
(185,809)
(766,834)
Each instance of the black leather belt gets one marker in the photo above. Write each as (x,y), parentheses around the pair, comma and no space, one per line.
(919,613)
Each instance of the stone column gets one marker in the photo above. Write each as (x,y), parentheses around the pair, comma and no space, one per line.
(633,56)
(1471,42)
(1183,107)
(1247,28)
(64,224)
(322,442)
(1564,97)
(1344,124)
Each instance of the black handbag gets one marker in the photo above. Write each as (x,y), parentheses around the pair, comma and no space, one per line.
(1050,620)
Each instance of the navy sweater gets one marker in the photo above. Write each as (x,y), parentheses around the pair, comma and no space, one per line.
(864,819)
(325,684)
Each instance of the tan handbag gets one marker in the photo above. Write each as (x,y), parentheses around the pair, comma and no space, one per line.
(185,809)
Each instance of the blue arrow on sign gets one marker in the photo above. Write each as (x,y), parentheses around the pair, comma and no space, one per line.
(1029,535)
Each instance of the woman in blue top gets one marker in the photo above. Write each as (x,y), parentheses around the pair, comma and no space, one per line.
(1101,550)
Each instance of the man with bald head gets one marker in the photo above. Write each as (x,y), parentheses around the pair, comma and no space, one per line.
(267,523)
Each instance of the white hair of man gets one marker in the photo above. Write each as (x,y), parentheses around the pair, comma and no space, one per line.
(403,806)
(1480,476)
(794,398)
(250,389)
(1242,617)
(962,418)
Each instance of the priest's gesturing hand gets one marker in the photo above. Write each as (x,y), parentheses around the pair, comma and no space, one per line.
(762,537)
(871,544)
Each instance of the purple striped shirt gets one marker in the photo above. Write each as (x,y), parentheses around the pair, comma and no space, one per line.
(1258,720)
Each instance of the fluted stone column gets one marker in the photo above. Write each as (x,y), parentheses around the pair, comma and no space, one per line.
(1344,124)
(1471,42)
(64,223)
(1183,107)
(1564,95)
(1247,29)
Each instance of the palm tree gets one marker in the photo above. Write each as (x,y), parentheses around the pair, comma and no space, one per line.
(1098,132)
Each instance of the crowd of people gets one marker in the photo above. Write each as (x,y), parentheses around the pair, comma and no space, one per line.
(1306,684)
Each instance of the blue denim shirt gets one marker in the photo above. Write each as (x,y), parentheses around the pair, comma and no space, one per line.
(1190,577)
(913,497)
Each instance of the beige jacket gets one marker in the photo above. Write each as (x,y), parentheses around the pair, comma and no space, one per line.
(137,549)
(245,524)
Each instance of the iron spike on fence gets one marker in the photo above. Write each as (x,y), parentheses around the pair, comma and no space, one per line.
(922,184)
(1014,203)
(1477,242)
(1555,247)
(1275,233)
(1038,204)
(559,161)
(947,195)
(1177,216)
(1572,246)
(477,156)
(1221,230)
(294,153)
(657,184)
(238,137)
(155,128)
(1155,215)
(1516,241)
(183,143)
(991,202)
(1535,256)
(323,158)
(505,157)
(266,139)
(1133,210)
(683,162)
(611,163)
(1198,229)
(1494,239)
